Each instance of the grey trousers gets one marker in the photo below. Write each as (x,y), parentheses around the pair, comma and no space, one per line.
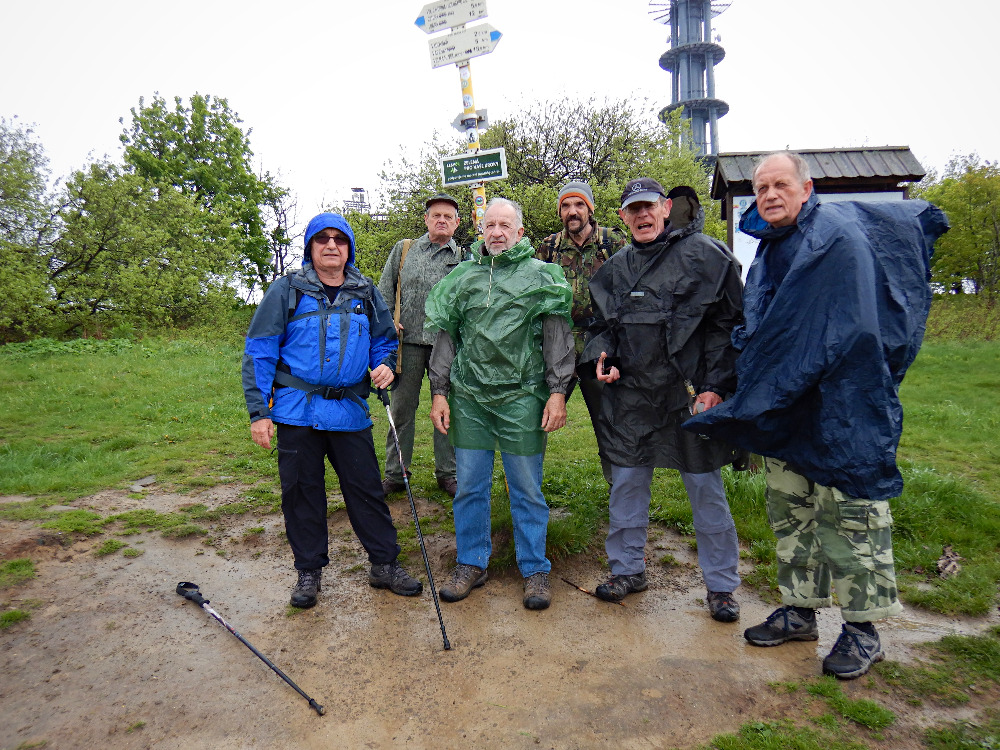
(715,532)
(405,400)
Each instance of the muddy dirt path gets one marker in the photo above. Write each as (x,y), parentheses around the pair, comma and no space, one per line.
(112,657)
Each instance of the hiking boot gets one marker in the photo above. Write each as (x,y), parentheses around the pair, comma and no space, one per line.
(784,624)
(389,486)
(463,579)
(723,606)
(853,654)
(537,594)
(392,576)
(617,588)
(449,485)
(304,593)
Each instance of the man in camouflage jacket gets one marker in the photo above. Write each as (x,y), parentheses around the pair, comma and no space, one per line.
(581,248)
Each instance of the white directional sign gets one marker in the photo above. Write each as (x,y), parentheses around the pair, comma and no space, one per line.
(462,45)
(446,13)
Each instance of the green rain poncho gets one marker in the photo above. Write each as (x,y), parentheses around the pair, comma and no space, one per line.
(493,308)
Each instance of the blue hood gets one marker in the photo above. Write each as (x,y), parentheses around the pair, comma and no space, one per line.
(328,221)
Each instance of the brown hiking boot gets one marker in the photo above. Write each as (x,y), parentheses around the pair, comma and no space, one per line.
(389,487)
(463,579)
(449,485)
(537,594)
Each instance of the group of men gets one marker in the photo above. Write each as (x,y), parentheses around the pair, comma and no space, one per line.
(653,333)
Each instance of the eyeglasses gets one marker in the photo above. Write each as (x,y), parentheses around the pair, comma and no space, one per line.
(338,239)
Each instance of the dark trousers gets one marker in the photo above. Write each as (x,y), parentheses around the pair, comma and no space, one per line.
(301,454)
(590,389)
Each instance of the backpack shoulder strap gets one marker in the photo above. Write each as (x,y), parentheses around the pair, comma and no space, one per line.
(399,295)
(399,280)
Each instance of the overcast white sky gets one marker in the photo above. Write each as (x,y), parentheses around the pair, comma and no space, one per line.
(333,89)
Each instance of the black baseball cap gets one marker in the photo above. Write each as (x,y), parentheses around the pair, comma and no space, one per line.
(642,189)
(441,198)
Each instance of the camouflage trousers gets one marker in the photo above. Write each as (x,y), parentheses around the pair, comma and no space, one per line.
(827,538)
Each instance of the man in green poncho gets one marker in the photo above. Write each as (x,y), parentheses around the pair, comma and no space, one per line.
(501,364)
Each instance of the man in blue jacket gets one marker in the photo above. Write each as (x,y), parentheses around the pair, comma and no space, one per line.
(835,305)
(311,344)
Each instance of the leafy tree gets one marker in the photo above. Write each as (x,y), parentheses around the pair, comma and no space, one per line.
(969,192)
(133,253)
(547,144)
(24,226)
(201,150)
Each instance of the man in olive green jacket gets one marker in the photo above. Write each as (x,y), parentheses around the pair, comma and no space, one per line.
(405,284)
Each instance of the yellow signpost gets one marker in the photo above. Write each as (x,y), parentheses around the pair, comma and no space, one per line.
(459,46)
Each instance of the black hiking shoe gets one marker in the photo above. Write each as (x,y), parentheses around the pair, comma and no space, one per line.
(537,593)
(782,625)
(853,654)
(463,579)
(304,593)
(617,588)
(392,576)
(723,606)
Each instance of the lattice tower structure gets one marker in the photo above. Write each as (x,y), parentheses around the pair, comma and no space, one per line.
(691,62)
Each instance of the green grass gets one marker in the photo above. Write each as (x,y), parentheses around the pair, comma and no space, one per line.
(955,667)
(86,417)
(12,616)
(13,572)
(109,547)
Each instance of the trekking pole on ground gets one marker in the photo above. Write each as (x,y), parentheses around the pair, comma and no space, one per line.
(190,592)
(383,395)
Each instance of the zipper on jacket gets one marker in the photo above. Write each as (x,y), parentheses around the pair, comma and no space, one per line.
(489,293)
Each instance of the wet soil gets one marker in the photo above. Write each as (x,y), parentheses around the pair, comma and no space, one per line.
(112,657)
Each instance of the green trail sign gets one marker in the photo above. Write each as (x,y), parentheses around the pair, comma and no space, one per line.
(489,164)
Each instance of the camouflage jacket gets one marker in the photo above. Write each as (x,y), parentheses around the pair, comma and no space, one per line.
(579,264)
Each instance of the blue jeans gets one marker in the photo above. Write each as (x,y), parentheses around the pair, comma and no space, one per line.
(474,473)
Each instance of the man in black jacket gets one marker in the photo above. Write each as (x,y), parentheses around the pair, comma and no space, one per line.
(665,307)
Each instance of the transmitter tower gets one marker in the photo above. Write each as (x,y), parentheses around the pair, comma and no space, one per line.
(691,62)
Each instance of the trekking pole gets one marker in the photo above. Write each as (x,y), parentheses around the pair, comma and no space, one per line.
(383,395)
(190,592)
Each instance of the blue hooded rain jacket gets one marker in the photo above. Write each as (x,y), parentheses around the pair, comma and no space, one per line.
(327,348)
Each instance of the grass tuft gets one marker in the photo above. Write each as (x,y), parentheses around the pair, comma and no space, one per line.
(17,571)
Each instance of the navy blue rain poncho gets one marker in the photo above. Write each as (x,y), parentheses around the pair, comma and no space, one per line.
(835,310)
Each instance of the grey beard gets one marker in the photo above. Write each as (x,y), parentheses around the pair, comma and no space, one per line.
(491,251)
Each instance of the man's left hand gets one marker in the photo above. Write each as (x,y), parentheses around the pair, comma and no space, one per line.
(708,399)
(382,377)
(554,415)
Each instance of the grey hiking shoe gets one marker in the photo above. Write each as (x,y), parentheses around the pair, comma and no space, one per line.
(537,594)
(723,606)
(392,576)
(617,588)
(853,654)
(309,584)
(782,625)
(463,579)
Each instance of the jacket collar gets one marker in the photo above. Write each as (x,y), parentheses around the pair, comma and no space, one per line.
(753,224)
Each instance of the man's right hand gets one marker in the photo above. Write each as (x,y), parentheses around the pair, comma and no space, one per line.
(262,431)
(606,377)
(440,413)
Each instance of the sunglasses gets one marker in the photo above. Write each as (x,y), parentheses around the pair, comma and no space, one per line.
(338,239)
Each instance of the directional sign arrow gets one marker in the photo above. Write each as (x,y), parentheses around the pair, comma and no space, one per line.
(444,13)
(464,44)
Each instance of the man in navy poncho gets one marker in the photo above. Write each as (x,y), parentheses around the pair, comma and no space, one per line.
(835,304)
